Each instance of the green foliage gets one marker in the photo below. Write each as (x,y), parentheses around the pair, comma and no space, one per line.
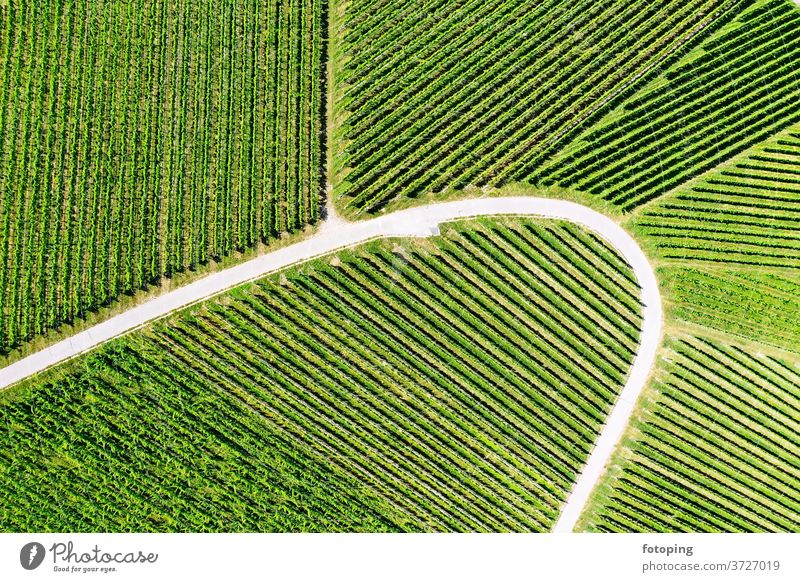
(142,139)
(716,451)
(87,453)
(436,95)
(454,384)
(747,212)
(739,87)
(761,306)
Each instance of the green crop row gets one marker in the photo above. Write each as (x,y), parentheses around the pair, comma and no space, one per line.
(483,92)
(717,450)
(452,384)
(141,139)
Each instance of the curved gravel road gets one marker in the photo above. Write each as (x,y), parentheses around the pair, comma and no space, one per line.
(420,221)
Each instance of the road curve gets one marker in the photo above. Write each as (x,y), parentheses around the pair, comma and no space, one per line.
(420,221)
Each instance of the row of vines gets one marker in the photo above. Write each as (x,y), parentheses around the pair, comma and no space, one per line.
(460,382)
(438,95)
(140,139)
(717,451)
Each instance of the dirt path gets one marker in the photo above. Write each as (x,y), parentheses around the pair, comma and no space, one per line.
(420,221)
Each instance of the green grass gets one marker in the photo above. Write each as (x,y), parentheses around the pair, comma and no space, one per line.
(450,384)
(715,449)
(142,139)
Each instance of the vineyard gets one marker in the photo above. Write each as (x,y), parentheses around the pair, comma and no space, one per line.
(717,451)
(738,88)
(451,383)
(715,447)
(746,213)
(753,304)
(141,139)
(474,93)
(454,383)
(730,244)
(622,102)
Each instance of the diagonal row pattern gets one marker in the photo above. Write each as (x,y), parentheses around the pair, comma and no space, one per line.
(444,94)
(716,452)
(738,88)
(460,381)
(745,213)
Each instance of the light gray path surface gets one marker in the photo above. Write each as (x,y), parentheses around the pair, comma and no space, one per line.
(415,222)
